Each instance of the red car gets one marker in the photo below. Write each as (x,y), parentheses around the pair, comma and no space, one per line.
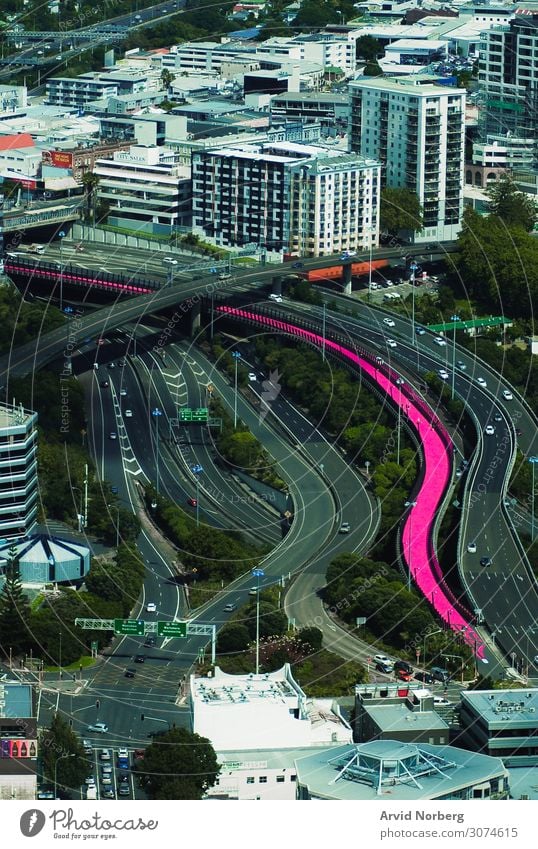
(402,675)
(192,502)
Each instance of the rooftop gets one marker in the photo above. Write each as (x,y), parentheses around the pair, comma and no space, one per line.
(15,700)
(500,707)
(14,416)
(389,770)
(399,717)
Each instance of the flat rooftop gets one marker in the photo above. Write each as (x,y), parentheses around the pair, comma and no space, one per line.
(503,707)
(398,717)
(14,416)
(15,700)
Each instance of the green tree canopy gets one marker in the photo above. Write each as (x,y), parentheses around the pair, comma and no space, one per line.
(400,211)
(368,48)
(14,609)
(180,759)
(63,757)
(514,208)
(373,69)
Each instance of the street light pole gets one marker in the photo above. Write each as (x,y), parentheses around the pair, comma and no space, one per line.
(157,413)
(409,504)
(430,634)
(454,319)
(324,319)
(60,658)
(237,356)
(258,573)
(61,235)
(533,461)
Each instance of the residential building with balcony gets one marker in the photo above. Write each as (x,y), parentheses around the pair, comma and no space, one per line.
(145,189)
(18,471)
(286,197)
(417,133)
(81,90)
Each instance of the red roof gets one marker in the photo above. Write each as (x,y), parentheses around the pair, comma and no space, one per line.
(17,141)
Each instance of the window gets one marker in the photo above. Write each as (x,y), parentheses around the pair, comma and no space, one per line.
(263,779)
(280,779)
(250,779)
(293,778)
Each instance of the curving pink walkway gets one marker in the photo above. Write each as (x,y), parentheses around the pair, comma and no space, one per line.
(437,450)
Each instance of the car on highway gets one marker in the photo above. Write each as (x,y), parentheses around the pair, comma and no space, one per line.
(389,322)
(507,395)
(347,254)
(392,343)
(139,658)
(461,365)
(471,548)
(128,414)
(379,361)
(439,701)
(400,381)
(486,561)
(439,340)
(104,384)
(420,331)
(170,260)
(298,265)
(123,393)
(192,502)
(481,382)
(497,417)
(98,728)
(344,528)
(111,365)
(130,673)
(150,641)
(276,298)
(112,435)
(489,430)
(151,607)
(382,658)
(252,377)
(229,608)
(253,591)
(425,677)
(443,374)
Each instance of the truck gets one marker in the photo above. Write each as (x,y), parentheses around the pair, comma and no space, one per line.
(36,249)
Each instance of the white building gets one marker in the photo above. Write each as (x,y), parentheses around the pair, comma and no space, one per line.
(12,97)
(259,725)
(417,132)
(286,197)
(18,471)
(93,85)
(145,188)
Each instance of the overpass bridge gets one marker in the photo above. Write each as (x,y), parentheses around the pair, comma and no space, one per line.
(42,216)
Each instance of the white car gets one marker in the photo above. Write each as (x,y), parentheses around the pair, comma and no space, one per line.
(443,374)
(170,260)
(113,435)
(344,528)
(276,298)
(490,430)
(151,607)
(389,322)
(481,382)
(439,340)
(438,700)
(123,393)
(252,377)
(507,395)
(392,343)
(471,548)
(106,779)
(98,728)
(128,414)
(123,753)
(104,754)
(382,658)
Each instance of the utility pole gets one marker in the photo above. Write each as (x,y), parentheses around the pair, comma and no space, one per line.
(237,356)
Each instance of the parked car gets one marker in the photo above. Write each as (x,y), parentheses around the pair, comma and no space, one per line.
(104,754)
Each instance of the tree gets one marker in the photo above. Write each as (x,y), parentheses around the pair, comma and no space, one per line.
(373,69)
(62,756)
(513,207)
(167,78)
(90,181)
(14,608)
(180,760)
(312,637)
(233,638)
(368,48)
(400,210)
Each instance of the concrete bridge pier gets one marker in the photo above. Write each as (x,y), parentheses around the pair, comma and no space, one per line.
(346,278)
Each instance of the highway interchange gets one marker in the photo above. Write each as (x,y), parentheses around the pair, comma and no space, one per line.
(505,592)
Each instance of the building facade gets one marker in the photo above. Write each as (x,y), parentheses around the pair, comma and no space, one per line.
(18,742)
(18,471)
(417,132)
(145,188)
(503,723)
(286,197)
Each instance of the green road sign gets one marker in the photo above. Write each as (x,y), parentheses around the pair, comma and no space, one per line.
(94,645)
(172,629)
(132,627)
(187,414)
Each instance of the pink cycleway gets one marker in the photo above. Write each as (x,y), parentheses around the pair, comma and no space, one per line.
(417,547)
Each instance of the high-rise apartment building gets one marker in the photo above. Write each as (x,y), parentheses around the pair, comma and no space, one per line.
(287,197)
(508,75)
(416,131)
(18,471)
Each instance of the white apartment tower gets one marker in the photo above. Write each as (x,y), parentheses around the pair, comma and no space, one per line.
(417,133)
(286,197)
(18,471)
